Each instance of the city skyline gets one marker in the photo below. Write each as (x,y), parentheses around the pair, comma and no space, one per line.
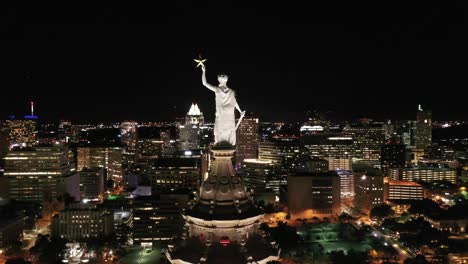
(117,64)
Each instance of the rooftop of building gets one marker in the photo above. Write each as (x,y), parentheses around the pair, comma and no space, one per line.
(314,174)
(175,162)
(404,183)
(258,161)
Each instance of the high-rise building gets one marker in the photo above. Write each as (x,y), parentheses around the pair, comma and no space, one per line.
(346,183)
(285,153)
(368,189)
(82,223)
(194,116)
(368,141)
(393,156)
(128,134)
(247,140)
(174,174)
(423,129)
(22,132)
(92,183)
(189,133)
(109,158)
(65,131)
(156,219)
(259,175)
(403,190)
(41,173)
(314,194)
(426,174)
(336,148)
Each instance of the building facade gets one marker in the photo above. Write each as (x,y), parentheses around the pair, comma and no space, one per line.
(109,158)
(41,173)
(314,195)
(423,129)
(175,173)
(82,223)
(368,189)
(92,183)
(247,140)
(403,190)
(427,174)
(367,143)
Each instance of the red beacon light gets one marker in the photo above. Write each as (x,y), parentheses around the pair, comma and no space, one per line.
(224,241)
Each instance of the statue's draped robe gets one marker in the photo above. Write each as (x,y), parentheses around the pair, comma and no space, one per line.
(225,123)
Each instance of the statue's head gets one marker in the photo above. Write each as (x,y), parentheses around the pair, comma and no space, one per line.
(222,79)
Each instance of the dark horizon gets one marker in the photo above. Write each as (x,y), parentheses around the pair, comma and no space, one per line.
(113,64)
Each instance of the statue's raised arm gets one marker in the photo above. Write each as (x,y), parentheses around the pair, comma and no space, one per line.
(205,83)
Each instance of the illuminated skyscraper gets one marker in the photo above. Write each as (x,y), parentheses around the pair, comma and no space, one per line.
(314,194)
(41,173)
(368,188)
(109,158)
(393,156)
(247,140)
(22,132)
(189,133)
(368,141)
(194,116)
(65,130)
(336,148)
(128,134)
(423,129)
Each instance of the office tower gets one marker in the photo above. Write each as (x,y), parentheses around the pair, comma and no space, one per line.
(92,183)
(247,140)
(423,129)
(259,175)
(175,174)
(423,173)
(403,190)
(189,132)
(314,195)
(22,132)
(128,134)
(65,131)
(312,164)
(346,183)
(393,156)
(285,153)
(109,158)
(156,219)
(82,222)
(189,137)
(368,141)
(368,189)
(41,173)
(336,148)
(194,116)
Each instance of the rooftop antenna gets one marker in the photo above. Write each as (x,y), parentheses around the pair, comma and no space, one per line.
(32,108)
(419,107)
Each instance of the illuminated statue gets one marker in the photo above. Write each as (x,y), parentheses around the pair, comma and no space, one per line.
(225,123)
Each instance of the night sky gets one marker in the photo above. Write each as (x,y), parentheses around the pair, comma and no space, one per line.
(120,62)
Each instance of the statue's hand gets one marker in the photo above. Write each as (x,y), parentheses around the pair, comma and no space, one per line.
(243,112)
(203,68)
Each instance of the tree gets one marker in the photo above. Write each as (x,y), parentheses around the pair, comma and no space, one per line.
(382,211)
